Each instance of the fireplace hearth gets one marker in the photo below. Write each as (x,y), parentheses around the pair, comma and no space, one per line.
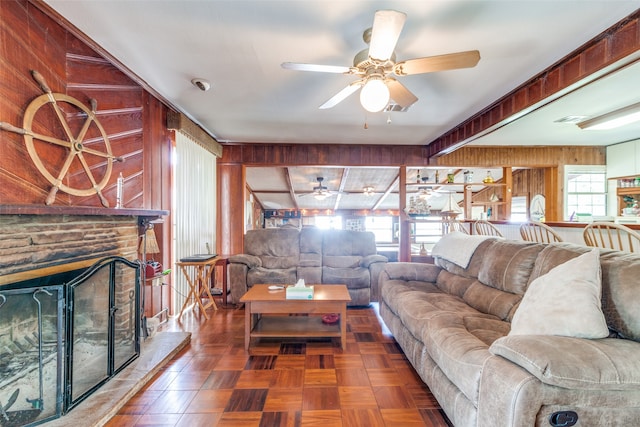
(63,336)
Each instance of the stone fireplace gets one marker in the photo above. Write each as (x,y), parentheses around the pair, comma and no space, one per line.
(70,310)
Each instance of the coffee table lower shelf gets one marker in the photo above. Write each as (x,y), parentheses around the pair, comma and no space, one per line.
(273,326)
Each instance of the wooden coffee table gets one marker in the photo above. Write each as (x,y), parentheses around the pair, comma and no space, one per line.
(267,313)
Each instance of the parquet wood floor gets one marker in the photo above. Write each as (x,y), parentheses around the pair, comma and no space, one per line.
(215,382)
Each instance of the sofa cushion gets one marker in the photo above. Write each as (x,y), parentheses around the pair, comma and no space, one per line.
(490,300)
(411,271)
(454,284)
(277,247)
(354,278)
(564,301)
(575,363)
(341,261)
(310,247)
(348,243)
(458,247)
(508,264)
(458,344)
(260,275)
(473,269)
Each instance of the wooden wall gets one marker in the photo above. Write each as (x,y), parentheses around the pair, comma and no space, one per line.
(35,38)
(132,120)
(612,45)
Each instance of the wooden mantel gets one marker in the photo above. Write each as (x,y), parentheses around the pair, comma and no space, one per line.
(78,210)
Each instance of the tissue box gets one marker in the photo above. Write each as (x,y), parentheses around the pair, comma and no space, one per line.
(299,292)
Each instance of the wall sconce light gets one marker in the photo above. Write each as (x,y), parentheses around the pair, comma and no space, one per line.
(614,119)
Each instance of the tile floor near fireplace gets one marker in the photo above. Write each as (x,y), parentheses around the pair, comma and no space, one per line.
(215,382)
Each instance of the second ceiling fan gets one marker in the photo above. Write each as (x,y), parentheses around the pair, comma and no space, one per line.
(375,65)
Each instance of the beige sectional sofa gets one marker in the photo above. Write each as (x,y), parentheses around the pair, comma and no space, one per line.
(285,255)
(495,351)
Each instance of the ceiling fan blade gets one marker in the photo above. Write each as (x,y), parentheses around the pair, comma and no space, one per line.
(387,25)
(337,69)
(430,64)
(399,93)
(342,95)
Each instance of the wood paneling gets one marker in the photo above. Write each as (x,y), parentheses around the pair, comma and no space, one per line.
(323,154)
(231,202)
(610,46)
(32,40)
(530,157)
(36,38)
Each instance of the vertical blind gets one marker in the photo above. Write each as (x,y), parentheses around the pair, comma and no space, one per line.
(194,198)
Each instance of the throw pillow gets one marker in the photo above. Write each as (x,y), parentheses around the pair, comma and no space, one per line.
(566,301)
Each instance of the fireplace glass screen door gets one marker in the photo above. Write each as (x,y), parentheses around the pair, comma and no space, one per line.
(64,335)
(103,327)
(31,354)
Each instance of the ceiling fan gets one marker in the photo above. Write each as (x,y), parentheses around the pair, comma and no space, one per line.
(320,192)
(375,65)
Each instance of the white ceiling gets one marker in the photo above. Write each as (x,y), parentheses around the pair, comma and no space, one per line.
(239,45)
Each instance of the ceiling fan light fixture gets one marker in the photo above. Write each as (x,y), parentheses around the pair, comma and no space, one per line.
(374,96)
(424,192)
(614,119)
(320,196)
(368,191)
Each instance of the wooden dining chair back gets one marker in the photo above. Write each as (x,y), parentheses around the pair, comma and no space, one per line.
(612,236)
(486,228)
(534,231)
(451,226)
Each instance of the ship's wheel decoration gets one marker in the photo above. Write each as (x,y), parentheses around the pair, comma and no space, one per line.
(83,149)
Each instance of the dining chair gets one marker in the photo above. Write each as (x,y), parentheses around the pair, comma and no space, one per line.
(534,231)
(612,236)
(486,228)
(456,226)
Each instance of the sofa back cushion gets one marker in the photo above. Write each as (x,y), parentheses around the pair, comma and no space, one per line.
(491,301)
(346,248)
(473,269)
(503,275)
(620,284)
(276,247)
(311,247)
(507,265)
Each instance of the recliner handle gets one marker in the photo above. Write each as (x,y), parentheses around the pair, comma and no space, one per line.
(563,419)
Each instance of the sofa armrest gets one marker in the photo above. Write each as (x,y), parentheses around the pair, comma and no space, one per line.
(370,259)
(250,261)
(574,363)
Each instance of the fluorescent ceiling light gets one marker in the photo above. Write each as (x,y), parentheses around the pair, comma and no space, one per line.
(614,119)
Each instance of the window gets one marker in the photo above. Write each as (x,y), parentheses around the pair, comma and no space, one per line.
(381,226)
(328,222)
(519,209)
(427,233)
(586,191)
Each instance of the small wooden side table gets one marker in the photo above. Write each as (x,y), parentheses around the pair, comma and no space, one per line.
(197,274)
